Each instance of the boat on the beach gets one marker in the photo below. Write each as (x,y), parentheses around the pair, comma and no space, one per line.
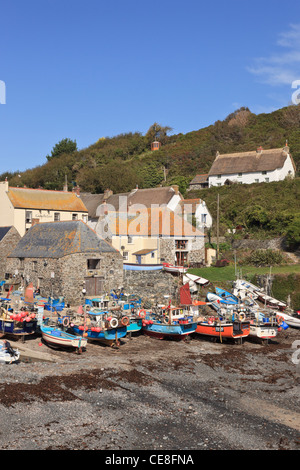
(291,320)
(262,326)
(99,326)
(196,279)
(168,323)
(174,269)
(58,338)
(224,328)
(216,300)
(228,297)
(20,323)
(8,355)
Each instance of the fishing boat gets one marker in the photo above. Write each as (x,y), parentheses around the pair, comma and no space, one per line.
(227,295)
(58,338)
(195,279)
(100,326)
(135,324)
(290,320)
(222,328)
(262,326)
(218,299)
(19,323)
(8,355)
(271,302)
(174,269)
(169,323)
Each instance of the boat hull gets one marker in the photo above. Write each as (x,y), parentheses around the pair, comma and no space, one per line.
(18,328)
(289,320)
(165,331)
(60,339)
(263,331)
(225,330)
(6,357)
(134,326)
(109,336)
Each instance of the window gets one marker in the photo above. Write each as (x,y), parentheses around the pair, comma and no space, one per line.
(267,180)
(84,218)
(256,181)
(203,218)
(129,239)
(28,217)
(74,216)
(152,254)
(93,263)
(181,244)
(264,172)
(56,216)
(125,255)
(240,175)
(219,176)
(21,264)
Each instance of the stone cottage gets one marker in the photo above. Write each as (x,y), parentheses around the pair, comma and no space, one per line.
(64,259)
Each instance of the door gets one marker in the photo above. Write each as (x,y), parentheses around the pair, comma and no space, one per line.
(139,259)
(94,286)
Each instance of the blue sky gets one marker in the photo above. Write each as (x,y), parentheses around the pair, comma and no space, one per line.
(88,69)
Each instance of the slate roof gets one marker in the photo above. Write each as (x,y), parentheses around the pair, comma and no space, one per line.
(146,197)
(58,239)
(249,162)
(26,198)
(4,231)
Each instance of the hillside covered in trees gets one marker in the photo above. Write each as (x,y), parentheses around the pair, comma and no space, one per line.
(124,161)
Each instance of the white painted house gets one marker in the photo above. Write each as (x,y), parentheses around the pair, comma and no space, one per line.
(260,166)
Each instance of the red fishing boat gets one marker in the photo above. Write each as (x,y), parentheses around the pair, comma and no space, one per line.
(217,328)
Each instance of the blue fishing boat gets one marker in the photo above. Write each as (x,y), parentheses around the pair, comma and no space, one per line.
(100,326)
(228,297)
(135,325)
(170,323)
(58,338)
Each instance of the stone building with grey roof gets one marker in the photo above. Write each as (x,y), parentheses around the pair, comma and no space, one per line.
(63,258)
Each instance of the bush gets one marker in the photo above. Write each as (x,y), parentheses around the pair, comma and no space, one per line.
(264,258)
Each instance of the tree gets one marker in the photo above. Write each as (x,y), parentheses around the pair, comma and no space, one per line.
(63,146)
(157,132)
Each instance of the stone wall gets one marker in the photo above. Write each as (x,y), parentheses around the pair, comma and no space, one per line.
(65,277)
(152,285)
(248,244)
(7,244)
(167,250)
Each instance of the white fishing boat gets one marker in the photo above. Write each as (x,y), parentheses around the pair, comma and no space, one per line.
(262,326)
(60,339)
(174,269)
(8,355)
(290,320)
(197,279)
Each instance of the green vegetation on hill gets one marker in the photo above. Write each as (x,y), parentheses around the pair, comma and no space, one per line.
(121,162)
(266,208)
